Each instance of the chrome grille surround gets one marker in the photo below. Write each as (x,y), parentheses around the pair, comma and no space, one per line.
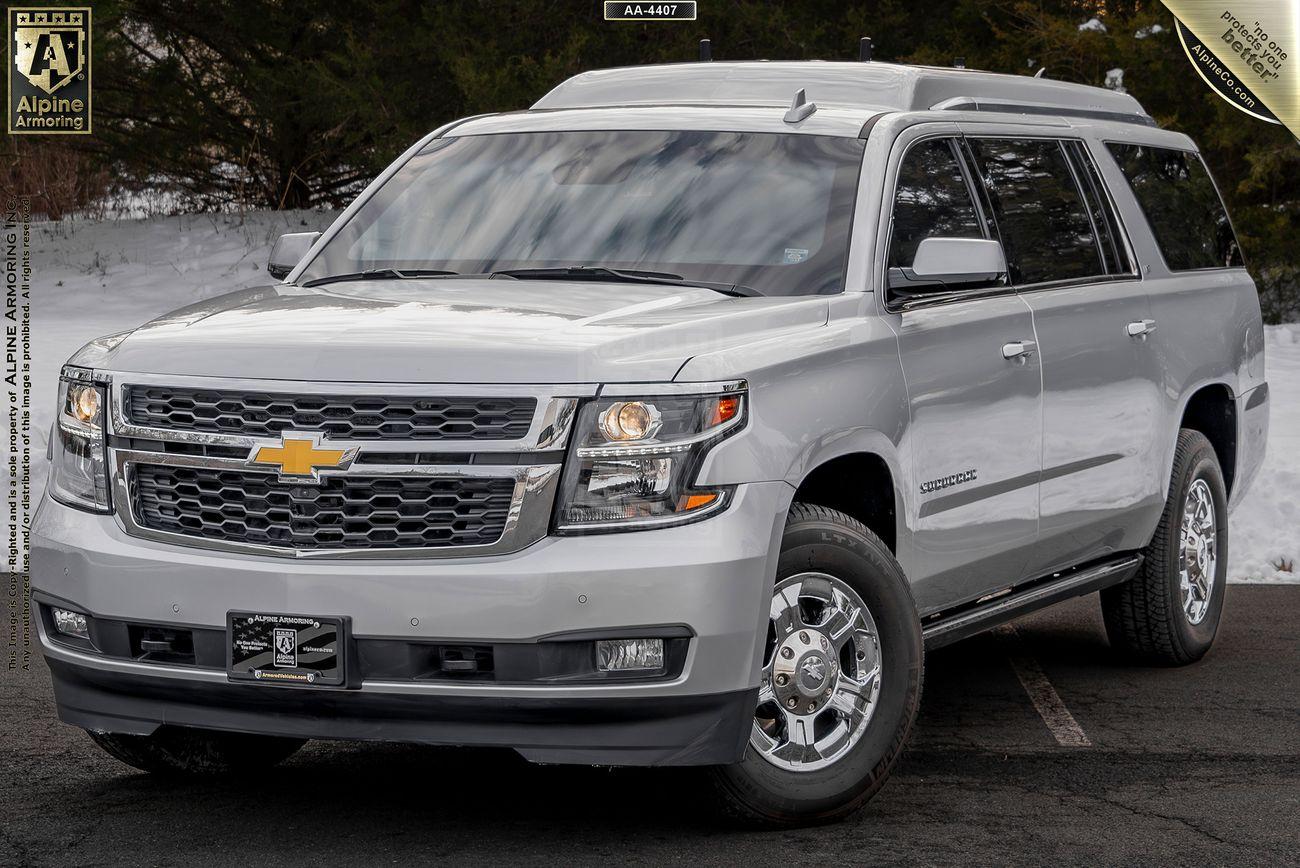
(530,463)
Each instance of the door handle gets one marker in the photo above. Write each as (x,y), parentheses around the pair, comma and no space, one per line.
(1018,350)
(1141,328)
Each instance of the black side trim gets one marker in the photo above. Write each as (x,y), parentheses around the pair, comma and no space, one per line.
(993,489)
(949,626)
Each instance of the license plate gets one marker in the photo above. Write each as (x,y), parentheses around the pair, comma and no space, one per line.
(286,649)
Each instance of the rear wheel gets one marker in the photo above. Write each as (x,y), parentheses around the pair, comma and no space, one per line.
(841,677)
(1169,613)
(180,751)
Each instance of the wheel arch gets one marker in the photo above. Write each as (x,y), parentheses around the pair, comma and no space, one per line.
(858,477)
(1211,409)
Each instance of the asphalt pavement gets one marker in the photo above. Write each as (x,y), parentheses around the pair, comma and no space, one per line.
(1035,745)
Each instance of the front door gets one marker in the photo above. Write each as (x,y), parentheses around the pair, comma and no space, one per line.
(971,365)
(975,442)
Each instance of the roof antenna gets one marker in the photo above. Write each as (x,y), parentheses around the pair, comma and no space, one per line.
(864,49)
(800,108)
(1041,70)
(706,50)
(959,63)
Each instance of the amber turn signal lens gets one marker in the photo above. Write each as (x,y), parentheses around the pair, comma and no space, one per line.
(725,410)
(695,501)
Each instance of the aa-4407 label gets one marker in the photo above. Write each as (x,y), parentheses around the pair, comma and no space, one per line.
(649,11)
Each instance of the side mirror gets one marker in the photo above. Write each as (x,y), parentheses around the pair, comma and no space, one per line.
(943,264)
(288,251)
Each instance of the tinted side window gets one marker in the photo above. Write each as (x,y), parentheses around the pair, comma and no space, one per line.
(1104,222)
(1046,231)
(1179,200)
(932,199)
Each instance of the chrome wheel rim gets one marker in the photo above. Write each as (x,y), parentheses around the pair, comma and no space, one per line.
(1198,556)
(821,674)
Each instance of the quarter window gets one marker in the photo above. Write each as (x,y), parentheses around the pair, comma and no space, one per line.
(931,199)
(1104,222)
(1046,230)
(1184,210)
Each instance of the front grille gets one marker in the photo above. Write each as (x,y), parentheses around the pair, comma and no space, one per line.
(342,417)
(342,512)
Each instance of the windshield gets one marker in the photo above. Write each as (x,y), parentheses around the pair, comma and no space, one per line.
(767,211)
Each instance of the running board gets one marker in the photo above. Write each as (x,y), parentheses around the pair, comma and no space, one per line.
(944,628)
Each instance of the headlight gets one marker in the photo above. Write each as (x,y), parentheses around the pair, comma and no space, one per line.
(79,470)
(634,461)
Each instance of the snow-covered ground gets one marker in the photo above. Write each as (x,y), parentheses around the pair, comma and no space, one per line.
(93,278)
(96,278)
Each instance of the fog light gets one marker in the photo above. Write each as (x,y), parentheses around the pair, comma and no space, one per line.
(621,655)
(71,624)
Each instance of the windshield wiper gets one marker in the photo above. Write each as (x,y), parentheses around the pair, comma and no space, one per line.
(381,274)
(604,273)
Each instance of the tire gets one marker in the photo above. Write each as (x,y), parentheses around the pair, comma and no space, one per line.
(1148,619)
(760,790)
(183,752)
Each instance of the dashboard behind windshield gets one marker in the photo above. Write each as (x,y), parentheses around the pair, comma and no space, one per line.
(769,211)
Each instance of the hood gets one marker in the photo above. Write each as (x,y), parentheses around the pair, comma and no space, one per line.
(452,330)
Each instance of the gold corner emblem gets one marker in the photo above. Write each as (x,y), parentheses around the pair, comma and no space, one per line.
(49,70)
(50,46)
(301,455)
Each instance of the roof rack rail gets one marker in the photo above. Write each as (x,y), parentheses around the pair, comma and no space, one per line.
(973,104)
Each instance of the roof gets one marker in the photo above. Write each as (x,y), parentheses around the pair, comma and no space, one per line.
(826,121)
(870,85)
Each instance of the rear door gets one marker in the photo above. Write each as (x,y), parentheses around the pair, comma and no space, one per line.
(973,441)
(1070,261)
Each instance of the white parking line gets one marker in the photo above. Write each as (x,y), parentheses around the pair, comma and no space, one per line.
(1047,702)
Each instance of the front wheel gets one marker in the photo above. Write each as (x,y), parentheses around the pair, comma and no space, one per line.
(841,679)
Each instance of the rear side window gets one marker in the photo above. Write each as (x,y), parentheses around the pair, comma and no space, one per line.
(1178,198)
(931,200)
(1047,233)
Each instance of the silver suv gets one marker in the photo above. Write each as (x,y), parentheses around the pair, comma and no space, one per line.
(666,423)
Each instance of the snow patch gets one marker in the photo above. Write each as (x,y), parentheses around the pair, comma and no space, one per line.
(1264,531)
(1094,25)
(1144,32)
(1115,80)
(95,277)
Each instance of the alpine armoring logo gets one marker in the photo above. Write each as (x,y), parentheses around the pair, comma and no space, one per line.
(49,71)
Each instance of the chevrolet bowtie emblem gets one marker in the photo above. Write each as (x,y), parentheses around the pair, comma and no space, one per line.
(301,455)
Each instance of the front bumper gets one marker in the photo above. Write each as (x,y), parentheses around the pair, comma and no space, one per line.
(709,581)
